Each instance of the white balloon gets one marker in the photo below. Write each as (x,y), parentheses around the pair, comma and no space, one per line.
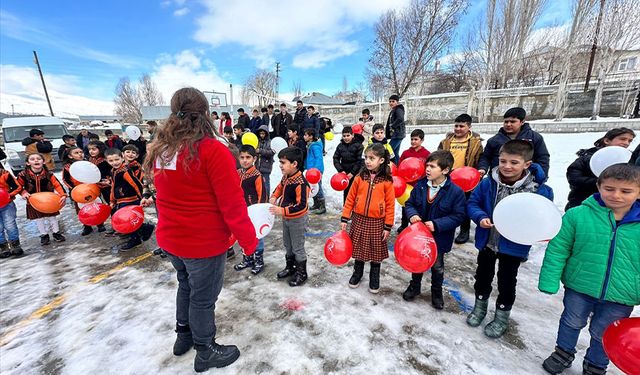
(261,218)
(278,144)
(85,172)
(315,188)
(527,218)
(608,156)
(133,132)
(337,128)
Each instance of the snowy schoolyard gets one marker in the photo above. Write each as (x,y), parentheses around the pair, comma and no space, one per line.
(80,307)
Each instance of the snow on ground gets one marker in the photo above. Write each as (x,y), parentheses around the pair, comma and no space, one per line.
(123,324)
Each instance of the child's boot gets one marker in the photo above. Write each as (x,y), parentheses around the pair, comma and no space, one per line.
(45,240)
(134,240)
(558,361)
(101,228)
(247,261)
(315,206)
(479,312)
(214,355)
(4,250)
(301,274)
(146,231)
(258,264)
(321,207)
(498,326)
(437,300)
(86,230)
(413,290)
(374,278)
(16,249)
(463,236)
(184,340)
(58,237)
(358,270)
(289,268)
(589,369)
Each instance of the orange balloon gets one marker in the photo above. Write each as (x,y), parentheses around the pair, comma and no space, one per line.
(85,193)
(45,202)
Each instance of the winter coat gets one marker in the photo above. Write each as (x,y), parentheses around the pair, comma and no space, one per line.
(293,192)
(600,258)
(489,157)
(200,207)
(582,181)
(252,184)
(474,148)
(10,184)
(348,156)
(80,139)
(314,156)
(302,145)
(300,117)
(244,121)
(635,156)
(395,128)
(280,124)
(254,124)
(312,122)
(62,150)
(264,153)
(114,142)
(43,147)
(482,202)
(447,211)
(373,199)
(367,128)
(386,145)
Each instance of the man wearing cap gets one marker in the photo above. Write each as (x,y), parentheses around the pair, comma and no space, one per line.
(395,129)
(36,144)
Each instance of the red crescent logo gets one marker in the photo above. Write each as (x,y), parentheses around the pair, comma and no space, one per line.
(262,227)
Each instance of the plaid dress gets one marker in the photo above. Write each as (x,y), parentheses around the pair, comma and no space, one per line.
(366,235)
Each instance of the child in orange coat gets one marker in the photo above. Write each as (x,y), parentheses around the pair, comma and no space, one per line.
(370,207)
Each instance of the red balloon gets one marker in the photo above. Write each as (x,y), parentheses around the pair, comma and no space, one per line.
(338,248)
(621,342)
(313,175)
(339,181)
(394,169)
(4,197)
(94,214)
(411,169)
(467,178)
(399,186)
(357,129)
(128,219)
(415,248)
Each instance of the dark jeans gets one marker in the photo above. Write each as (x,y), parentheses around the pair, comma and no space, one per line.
(466,224)
(395,146)
(437,273)
(199,284)
(577,309)
(507,277)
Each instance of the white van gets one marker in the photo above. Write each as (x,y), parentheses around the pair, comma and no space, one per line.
(15,129)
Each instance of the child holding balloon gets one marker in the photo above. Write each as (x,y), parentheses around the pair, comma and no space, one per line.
(370,208)
(96,151)
(9,188)
(515,174)
(36,178)
(441,205)
(415,151)
(596,257)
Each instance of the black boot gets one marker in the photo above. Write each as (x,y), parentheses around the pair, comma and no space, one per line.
(214,355)
(589,369)
(374,278)
(86,230)
(258,264)
(45,240)
(463,236)
(358,270)
(321,207)
(289,269)
(16,249)
(247,261)
(315,206)
(558,361)
(146,231)
(134,240)
(58,237)
(101,228)
(413,290)
(437,301)
(4,250)
(231,253)
(184,340)
(301,274)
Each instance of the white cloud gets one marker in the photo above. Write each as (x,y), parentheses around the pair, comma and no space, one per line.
(181,12)
(21,87)
(315,33)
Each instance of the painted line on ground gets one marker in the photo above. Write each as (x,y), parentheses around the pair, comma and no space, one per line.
(43,311)
(319,234)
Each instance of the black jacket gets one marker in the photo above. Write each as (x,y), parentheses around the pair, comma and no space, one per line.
(348,156)
(43,147)
(395,128)
(280,124)
(300,116)
(582,181)
(244,121)
(489,157)
(264,152)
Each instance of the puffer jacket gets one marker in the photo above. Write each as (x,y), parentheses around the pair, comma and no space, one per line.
(312,122)
(395,128)
(264,152)
(595,256)
(582,181)
(348,156)
(314,156)
(43,147)
(368,198)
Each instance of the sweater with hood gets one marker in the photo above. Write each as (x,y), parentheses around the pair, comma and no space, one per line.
(264,152)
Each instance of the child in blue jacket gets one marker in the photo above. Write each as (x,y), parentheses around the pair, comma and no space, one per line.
(515,174)
(314,160)
(441,205)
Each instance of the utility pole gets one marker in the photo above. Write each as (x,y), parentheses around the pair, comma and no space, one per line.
(13,112)
(277,80)
(35,56)
(231,101)
(594,47)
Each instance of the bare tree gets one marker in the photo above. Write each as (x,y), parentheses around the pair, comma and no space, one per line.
(408,41)
(149,93)
(296,87)
(127,101)
(345,84)
(260,85)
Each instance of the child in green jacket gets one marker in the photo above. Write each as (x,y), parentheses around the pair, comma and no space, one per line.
(596,257)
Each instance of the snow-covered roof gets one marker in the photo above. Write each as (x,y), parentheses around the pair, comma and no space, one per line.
(318,99)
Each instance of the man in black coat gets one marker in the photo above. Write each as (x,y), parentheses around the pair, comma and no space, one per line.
(243,119)
(301,114)
(395,130)
(281,122)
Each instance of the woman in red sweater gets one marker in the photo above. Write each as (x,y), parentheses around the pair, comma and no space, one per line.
(199,207)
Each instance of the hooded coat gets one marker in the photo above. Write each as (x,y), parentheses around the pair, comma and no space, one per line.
(264,152)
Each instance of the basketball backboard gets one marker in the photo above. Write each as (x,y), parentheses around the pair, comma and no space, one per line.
(216,99)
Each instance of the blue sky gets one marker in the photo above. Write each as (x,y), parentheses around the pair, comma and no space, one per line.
(86,46)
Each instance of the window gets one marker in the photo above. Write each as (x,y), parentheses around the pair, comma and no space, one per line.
(627,64)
